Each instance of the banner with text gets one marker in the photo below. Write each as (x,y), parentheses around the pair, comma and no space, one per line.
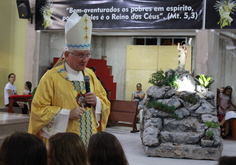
(122,14)
(221,14)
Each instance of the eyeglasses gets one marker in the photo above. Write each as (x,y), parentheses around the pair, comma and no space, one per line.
(80,56)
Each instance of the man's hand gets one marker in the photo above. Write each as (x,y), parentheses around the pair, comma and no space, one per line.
(76,113)
(90,98)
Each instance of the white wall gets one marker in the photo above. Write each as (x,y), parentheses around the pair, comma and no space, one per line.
(116,49)
(213,59)
(230,72)
(44,54)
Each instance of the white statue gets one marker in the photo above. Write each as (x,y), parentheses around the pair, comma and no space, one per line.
(182,55)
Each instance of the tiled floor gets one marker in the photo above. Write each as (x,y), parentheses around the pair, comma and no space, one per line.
(134,151)
(13,118)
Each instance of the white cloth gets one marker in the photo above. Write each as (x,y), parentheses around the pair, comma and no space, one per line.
(230,115)
(26,92)
(73,75)
(6,95)
(60,121)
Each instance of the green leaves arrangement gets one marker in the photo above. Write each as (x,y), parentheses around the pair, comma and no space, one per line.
(205,81)
(159,77)
(190,99)
(171,81)
(211,124)
(164,108)
(209,133)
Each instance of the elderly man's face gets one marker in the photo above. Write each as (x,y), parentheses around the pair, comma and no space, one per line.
(77,59)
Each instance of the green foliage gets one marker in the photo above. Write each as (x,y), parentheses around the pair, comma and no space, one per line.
(163,107)
(211,124)
(171,80)
(209,133)
(159,76)
(205,81)
(190,99)
(156,77)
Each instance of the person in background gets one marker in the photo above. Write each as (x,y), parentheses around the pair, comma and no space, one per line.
(9,90)
(93,69)
(27,91)
(224,103)
(138,95)
(108,94)
(28,87)
(221,91)
(21,148)
(66,148)
(105,149)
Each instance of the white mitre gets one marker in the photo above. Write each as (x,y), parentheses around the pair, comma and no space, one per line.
(78,32)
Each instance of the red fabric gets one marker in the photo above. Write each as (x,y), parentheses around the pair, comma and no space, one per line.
(103,72)
(22,96)
(221,117)
(55,59)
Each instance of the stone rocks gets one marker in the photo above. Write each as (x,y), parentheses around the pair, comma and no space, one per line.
(186,83)
(183,151)
(182,112)
(163,136)
(169,93)
(180,137)
(156,92)
(208,117)
(150,136)
(184,125)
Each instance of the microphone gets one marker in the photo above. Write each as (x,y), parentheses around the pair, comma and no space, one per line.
(87,85)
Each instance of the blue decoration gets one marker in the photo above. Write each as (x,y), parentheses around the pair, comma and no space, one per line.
(79,46)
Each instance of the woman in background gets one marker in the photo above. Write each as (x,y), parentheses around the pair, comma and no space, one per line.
(138,96)
(9,90)
(224,103)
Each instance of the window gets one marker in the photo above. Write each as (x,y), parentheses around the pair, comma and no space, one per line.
(181,41)
(166,41)
(138,41)
(159,40)
(151,41)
